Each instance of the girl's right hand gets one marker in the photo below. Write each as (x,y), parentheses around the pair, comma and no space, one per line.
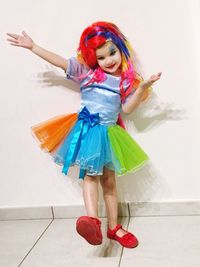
(23,40)
(147,83)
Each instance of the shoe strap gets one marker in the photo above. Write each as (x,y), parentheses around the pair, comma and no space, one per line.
(117,227)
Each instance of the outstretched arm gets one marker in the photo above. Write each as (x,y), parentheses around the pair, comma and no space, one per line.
(25,41)
(136,98)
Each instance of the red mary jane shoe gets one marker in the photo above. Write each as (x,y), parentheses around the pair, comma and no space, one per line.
(128,240)
(90,229)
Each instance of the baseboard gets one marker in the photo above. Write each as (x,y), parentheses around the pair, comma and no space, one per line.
(183,208)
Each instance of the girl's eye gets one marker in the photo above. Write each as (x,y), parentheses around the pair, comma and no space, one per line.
(112,53)
(100,58)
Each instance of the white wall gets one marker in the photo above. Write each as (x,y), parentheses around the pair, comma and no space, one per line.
(165,35)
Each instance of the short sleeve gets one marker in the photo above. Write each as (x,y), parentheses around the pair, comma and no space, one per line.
(75,70)
(128,91)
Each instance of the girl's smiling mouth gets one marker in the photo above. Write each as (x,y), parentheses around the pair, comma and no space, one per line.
(111,66)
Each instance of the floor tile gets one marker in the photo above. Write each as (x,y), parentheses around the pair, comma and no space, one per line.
(17,238)
(61,246)
(164,242)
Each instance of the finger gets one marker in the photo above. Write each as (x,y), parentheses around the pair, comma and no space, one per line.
(12,40)
(13,35)
(159,74)
(25,34)
(15,44)
(155,77)
(152,78)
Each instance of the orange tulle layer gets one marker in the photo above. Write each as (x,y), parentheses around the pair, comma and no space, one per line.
(51,133)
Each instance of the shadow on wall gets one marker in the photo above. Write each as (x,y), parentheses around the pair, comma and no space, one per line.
(142,185)
(52,79)
(151,114)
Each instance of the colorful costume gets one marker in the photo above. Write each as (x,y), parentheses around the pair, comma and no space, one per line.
(91,138)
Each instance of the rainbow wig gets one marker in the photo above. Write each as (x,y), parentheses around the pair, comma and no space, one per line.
(95,36)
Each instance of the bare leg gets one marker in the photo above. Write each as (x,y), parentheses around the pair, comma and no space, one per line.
(108,184)
(91,195)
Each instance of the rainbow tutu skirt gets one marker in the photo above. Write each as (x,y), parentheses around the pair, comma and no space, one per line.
(80,139)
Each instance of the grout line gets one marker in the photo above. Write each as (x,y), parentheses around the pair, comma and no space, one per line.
(35,243)
(121,255)
(165,215)
(52,213)
(26,219)
(120,259)
(75,217)
(129,212)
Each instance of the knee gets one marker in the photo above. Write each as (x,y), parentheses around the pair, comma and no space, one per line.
(108,184)
(91,179)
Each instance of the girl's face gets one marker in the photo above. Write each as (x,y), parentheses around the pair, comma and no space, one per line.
(109,58)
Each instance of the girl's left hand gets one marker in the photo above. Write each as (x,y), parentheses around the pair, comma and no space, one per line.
(146,84)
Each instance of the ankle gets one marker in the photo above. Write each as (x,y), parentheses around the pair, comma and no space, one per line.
(94,217)
(112,225)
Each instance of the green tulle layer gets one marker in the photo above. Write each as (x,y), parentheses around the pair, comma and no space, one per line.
(128,155)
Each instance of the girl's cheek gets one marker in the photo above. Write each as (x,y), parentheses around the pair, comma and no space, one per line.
(101,63)
(119,58)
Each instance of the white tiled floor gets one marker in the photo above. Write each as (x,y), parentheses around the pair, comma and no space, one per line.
(164,242)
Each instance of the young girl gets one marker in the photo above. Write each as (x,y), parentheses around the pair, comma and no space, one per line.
(92,138)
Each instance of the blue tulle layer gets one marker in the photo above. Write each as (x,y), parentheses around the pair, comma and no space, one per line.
(88,147)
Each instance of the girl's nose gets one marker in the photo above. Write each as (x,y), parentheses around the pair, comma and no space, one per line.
(108,61)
